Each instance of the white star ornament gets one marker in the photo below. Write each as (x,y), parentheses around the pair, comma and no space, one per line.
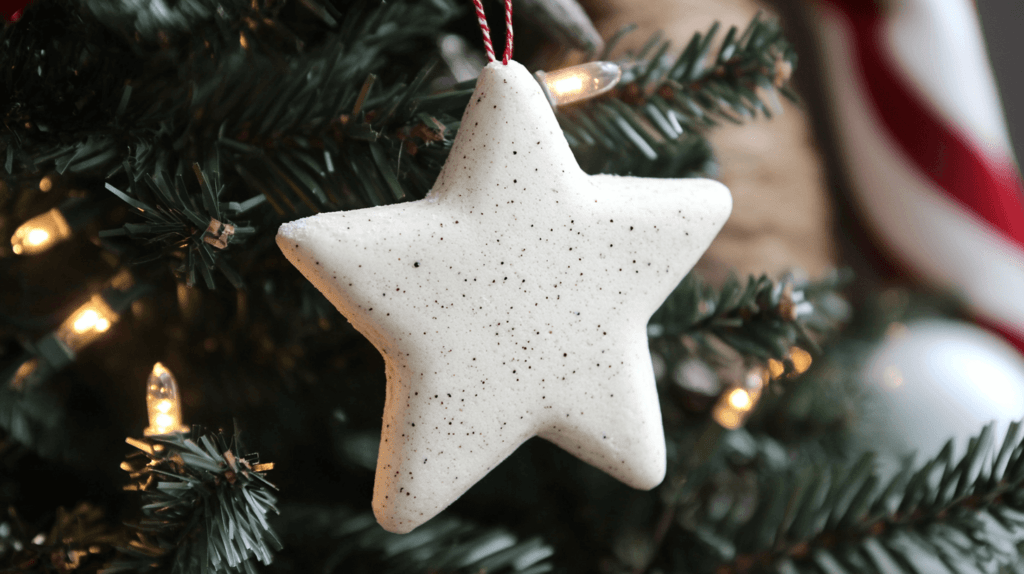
(511,302)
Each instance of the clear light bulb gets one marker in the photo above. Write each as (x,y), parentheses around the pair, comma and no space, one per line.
(87,323)
(580,82)
(40,233)
(163,402)
(733,407)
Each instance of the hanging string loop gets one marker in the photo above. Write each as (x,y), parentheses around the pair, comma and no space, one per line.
(481,19)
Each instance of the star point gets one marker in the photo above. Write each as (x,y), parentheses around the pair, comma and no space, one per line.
(512,302)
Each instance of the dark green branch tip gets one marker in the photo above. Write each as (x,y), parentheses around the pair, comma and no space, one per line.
(79,540)
(175,222)
(203,505)
(763,318)
(946,515)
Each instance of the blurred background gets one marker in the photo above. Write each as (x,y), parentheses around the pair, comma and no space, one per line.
(1005,44)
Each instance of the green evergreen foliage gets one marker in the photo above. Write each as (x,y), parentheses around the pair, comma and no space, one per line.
(79,540)
(305,107)
(33,416)
(177,223)
(206,508)
(654,124)
(946,514)
(353,543)
(37,412)
(762,320)
(178,135)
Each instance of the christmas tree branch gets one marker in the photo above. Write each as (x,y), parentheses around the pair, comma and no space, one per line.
(205,505)
(762,319)
(342,539)
(78,540)
(202,230)
(33,416)
(323,132)
(824,401)
(652,123)
(947,514)
(140,81)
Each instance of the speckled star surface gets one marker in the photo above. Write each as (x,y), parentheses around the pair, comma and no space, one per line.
(511,302)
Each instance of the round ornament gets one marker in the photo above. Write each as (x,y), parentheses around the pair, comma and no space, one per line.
(934,380)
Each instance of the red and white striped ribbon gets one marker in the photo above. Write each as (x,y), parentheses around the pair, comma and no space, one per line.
(922,134)
(481,19)
(508,33)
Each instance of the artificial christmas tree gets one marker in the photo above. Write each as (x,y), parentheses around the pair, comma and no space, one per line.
(149,154)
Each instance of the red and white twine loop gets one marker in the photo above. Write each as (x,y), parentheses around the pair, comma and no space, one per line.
(481,18)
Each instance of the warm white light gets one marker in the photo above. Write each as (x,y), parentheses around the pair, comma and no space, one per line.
(733,408)
(40,233)
(86,320)
(739,399)
(580,82)
(87,323)
(37,237)
(728,418)
(25,370)
(163,402)
(90,319)
(801,360)
(567,85)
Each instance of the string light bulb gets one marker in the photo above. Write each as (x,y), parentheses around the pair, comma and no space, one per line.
(736,404)
(163,402)
(96,317)
(40,233)
(801,360)
(739,399)
(23,374)
(87,323)
(798,361)
(581,82)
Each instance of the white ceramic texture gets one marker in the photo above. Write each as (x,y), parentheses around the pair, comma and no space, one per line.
(511,302)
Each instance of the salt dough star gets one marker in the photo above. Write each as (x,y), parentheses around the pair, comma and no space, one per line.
(511,302)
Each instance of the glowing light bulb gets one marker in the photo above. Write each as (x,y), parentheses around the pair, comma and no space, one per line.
(23,374)
(733,408)
(40,233)
(739,399)
(580,82)
(729,419)
(567,85)
(37,237)
(86,320)
(163,402)
(801,360)
(86,324)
